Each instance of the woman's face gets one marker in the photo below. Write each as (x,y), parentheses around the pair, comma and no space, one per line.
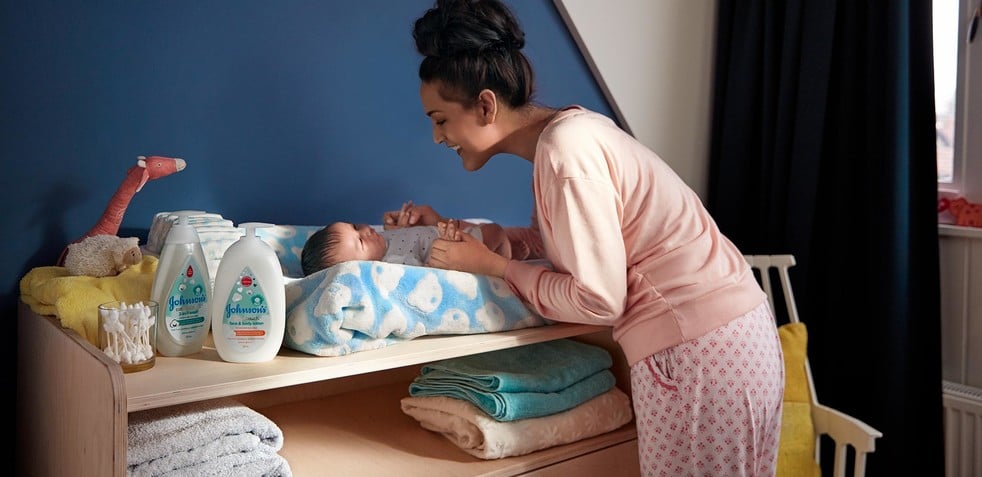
(466,131)
(357,242)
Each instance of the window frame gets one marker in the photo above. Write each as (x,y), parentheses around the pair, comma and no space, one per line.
(967,164)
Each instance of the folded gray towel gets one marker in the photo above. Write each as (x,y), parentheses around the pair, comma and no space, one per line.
(218,437)
(261,462)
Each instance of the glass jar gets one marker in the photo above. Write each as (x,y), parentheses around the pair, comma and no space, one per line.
(128,333)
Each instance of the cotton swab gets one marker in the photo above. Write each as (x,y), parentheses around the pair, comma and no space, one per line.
(127,331)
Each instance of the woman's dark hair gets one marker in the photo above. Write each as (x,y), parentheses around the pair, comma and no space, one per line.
(470,45)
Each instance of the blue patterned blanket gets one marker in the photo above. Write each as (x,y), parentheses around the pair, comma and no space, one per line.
(363,305)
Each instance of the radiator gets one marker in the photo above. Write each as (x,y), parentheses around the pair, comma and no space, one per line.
(962,429)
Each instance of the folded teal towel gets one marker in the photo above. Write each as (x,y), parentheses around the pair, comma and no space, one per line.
(511,406)
(540,367)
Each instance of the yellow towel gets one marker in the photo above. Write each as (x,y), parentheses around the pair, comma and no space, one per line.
(75,300)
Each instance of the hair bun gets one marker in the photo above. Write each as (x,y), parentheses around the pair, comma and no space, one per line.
(505,44)
(455,27)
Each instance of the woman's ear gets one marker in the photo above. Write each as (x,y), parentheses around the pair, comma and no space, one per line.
(487,101)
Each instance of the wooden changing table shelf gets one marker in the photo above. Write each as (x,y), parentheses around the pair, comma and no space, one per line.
(73,405)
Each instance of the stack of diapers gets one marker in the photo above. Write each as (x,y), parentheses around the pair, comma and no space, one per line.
(287,241)
(218,233)
(215,232)
(516,401)
(217,438)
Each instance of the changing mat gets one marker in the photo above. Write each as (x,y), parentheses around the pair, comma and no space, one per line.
(363,305)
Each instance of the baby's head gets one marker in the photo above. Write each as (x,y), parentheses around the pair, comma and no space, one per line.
(341,242)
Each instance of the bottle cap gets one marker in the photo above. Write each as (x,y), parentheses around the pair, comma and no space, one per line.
(182,231)
(250,227)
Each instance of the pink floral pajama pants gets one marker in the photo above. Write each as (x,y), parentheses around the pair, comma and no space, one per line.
(712,406)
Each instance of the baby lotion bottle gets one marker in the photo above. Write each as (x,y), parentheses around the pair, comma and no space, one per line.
(182,289)
(249,310)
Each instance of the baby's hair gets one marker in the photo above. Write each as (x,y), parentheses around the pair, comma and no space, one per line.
(471,45)
(318,251)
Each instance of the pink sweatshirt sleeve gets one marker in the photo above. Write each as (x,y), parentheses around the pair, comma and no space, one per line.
(582,228)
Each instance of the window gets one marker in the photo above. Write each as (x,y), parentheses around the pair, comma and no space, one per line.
(958,111)
(945,81)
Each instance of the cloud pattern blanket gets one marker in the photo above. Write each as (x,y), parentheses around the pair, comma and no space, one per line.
(363,305)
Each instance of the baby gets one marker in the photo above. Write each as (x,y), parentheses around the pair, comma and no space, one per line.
(408,245)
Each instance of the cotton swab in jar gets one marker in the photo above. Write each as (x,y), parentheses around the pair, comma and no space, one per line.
(127,331)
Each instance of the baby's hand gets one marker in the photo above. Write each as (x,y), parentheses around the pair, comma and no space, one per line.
(449,230)
(520,250)
(397,219)
(410,215)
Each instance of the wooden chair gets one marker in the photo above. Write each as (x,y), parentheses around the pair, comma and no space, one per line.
(844,430)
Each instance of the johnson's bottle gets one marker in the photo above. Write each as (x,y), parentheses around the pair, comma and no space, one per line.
(249,310)
(182,289)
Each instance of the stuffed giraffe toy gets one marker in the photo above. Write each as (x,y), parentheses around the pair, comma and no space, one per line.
(146,169)
(966,213)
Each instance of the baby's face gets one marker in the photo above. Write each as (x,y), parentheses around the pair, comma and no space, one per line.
(357,242)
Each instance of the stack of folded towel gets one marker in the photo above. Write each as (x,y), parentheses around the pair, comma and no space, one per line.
(519,400)
(75,300)
(219,438)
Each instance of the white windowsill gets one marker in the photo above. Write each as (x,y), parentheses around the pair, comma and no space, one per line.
(948,230)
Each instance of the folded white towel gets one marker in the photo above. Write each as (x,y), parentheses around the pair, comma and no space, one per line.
(218,437)
(481,436)
(261,462)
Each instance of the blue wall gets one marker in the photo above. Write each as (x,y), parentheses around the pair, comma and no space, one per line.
(292,112)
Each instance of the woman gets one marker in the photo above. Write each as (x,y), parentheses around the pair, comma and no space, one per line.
(631,245)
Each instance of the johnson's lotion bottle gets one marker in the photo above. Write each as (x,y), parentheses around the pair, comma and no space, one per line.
(182,290)
(248,314)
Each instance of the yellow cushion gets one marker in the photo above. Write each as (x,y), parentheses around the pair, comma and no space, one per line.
(794,345)
(796,449)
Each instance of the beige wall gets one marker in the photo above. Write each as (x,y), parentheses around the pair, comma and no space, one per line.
(653,58)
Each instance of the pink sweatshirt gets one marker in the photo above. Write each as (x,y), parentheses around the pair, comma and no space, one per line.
(631,244)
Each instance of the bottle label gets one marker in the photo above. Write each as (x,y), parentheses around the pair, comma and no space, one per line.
(246,319)
(185,312)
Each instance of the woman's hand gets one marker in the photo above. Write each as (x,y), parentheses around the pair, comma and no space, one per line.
(466,255)
(409,215)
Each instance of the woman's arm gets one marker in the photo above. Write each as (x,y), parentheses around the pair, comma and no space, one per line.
(589,284)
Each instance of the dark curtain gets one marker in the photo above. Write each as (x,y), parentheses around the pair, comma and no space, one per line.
(823,146)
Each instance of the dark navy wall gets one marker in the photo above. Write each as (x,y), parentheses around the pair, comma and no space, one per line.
(292,112)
